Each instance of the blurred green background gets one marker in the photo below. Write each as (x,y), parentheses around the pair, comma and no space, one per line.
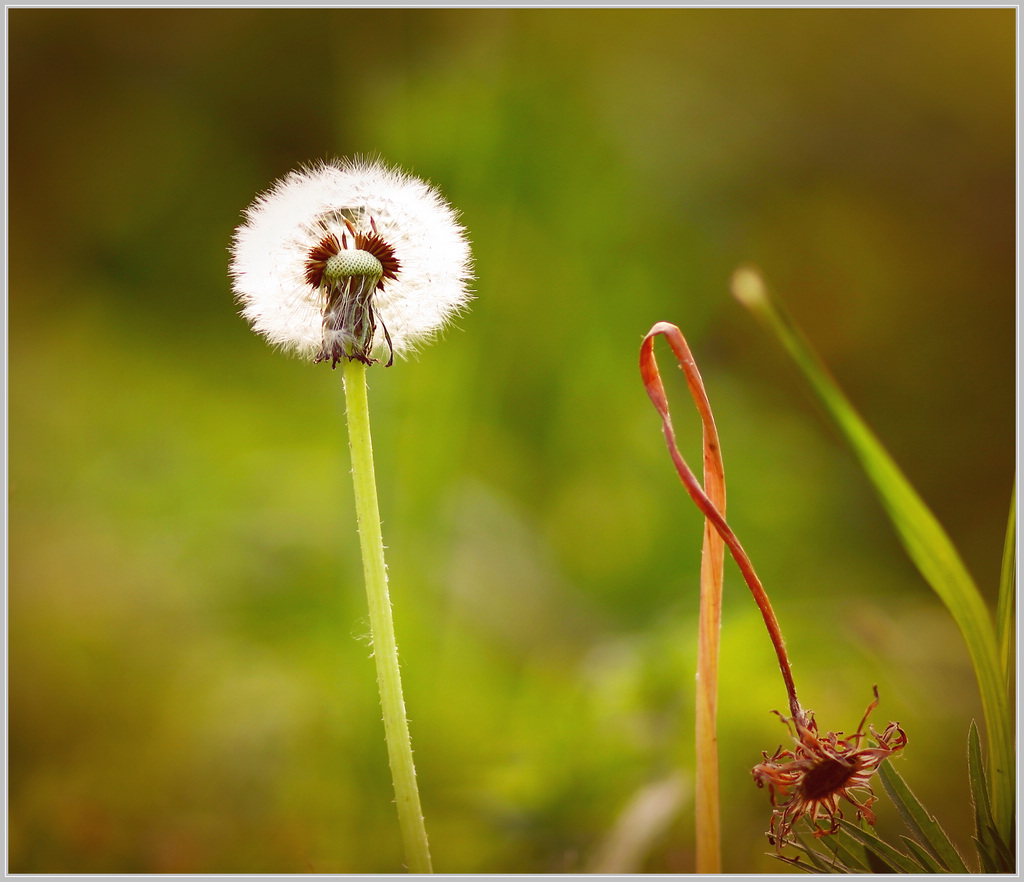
(190,681)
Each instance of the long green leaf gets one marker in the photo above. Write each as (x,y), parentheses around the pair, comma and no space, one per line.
(896,860)
(979,793)
(851,853)
(1004,856)
(831,864)
(921,824)
(927,862)
(995,856)
(801,865)
(1007,592)
(922,536)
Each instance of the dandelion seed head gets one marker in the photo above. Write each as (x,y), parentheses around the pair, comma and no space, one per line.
(349,258)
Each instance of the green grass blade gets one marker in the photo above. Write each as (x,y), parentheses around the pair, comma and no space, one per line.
(987,863)
(823,863)
(921,824)
(922,536)
(800,865)
(979,794)
(1007,593)
(892,857)
(1003,856)
(851,853)
(927,862)
(813,855)
(995,856)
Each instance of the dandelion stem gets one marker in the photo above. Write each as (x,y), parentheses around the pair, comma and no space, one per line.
(656,391)
(385,649)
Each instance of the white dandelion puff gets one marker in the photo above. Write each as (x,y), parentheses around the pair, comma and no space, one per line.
(350,259)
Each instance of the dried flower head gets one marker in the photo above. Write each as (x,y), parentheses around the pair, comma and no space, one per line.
(348,259)
(811,779)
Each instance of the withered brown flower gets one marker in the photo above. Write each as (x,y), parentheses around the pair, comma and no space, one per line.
(810,780)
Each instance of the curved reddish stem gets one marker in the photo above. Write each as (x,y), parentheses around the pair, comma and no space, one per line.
(656,391)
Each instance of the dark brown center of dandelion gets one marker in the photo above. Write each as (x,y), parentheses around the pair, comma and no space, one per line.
(826,777)
(347,279)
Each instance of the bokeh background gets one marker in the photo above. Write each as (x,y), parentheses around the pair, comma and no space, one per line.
(190,680)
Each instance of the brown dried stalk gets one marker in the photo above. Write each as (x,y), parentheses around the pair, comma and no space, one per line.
(810,780)
(656,391)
